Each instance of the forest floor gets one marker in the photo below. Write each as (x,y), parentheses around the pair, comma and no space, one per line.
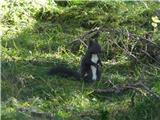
(36,38)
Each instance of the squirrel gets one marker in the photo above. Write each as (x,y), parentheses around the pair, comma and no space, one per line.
(89,66)
(90,62)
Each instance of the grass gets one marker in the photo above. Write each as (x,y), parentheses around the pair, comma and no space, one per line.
(35,38)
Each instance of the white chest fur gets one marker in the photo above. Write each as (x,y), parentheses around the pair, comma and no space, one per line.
(94,59)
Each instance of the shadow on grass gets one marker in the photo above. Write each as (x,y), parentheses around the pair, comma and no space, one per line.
(24,79)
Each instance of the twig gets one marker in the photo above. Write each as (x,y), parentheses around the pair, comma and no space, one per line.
(150,56)
(82,37)
(153,93)
(127,52)
(142,38)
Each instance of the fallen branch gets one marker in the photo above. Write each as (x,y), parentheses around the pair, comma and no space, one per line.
(82,39)
(119,88)
(126,87)
(122,32)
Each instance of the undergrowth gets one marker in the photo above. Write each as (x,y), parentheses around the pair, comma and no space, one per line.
(36,36)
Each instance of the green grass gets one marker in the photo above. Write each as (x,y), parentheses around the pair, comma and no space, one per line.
(36,38)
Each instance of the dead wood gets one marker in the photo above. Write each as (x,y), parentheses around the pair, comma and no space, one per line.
(116,89)
(121,88)
(82,39)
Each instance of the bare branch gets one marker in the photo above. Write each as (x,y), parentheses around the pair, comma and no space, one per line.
(119,88)
(81,39)
(125,87)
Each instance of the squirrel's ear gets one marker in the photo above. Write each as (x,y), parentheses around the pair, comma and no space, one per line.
(96,35)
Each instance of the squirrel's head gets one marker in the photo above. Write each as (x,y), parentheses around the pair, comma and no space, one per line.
(94,47)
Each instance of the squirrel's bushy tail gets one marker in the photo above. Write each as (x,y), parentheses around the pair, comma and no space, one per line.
(64,72)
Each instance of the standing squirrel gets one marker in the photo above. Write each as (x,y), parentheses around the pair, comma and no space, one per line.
(89,66)
(90,62)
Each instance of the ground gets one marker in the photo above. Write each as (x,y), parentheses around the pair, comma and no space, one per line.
(36,37)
